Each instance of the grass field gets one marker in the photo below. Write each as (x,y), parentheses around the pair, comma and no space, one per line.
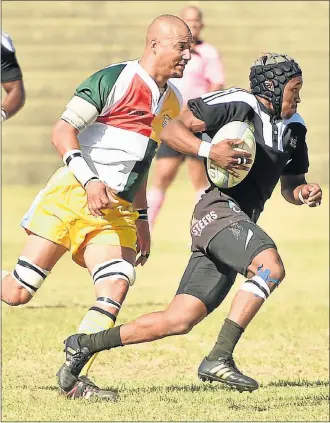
(285,348)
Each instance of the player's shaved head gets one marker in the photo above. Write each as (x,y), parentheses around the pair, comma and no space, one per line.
(167,49)
(167,27)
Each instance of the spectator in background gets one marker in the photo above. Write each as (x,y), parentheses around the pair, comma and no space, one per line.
(204,73)
(11,79)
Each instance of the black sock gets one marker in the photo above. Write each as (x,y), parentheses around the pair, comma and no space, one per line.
(100,341)
(228,337)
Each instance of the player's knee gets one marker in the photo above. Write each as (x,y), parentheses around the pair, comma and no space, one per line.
(266,278)
(273,269)
(12,293)
(20,286)
(16,296)
(277,273)
(118,272)
(179,325)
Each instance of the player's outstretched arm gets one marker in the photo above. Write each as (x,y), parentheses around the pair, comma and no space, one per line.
(178,134)
(296,190)
(14,99)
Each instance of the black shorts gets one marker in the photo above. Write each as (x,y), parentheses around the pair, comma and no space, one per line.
(206,280)
(164,151)
(224,242)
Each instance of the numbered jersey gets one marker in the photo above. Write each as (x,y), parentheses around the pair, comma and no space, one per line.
(120,145)
(10,70)
(281,147)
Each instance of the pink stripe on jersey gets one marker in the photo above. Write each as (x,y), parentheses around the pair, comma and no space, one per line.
(204,68)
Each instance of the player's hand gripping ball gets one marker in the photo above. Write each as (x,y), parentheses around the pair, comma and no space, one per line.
(232,130)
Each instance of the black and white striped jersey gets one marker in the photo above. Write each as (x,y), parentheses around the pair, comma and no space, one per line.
(10,69)
(281,147)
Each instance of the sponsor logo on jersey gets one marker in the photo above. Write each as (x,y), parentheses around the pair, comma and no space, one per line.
(166,120)
(197,226)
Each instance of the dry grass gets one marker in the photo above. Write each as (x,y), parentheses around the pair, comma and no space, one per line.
(285,348)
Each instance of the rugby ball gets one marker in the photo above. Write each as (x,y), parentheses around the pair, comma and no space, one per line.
(232,130)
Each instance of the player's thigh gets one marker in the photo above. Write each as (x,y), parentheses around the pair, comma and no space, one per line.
(166,168)
(166,152)
(95,254)
(197,173)
(206,280)
(42,252)
(165,171)
(238,244)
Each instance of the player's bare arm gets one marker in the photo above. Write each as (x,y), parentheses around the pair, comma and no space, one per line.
(178,134)
(15,98)
(142,226)
(296,190)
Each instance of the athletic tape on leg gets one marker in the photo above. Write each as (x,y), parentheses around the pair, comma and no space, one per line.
(29,275)
(114,269)
(256,285)
(109,301)
(265,275)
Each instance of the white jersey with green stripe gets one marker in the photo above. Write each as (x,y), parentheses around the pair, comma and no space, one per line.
(120,144)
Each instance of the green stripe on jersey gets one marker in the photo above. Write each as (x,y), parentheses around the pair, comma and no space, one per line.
(97,87)
(139,173)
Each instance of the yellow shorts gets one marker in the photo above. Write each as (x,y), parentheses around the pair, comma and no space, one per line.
(60,214)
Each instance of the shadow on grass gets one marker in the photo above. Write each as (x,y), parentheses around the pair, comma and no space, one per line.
(253,403)
(303,383)
(47,388)
(205,387)
(177,388)
(208,387)
(51,306)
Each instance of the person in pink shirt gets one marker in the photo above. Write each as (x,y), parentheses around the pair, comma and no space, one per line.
(204,73)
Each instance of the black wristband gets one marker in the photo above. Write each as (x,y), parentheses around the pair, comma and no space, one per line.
(143,214)
(93,178)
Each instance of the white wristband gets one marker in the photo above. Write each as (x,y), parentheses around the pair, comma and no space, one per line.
(301,198)
(3,114)
(204,149)
(78,166)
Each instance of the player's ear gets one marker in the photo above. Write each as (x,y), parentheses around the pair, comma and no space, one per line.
(153,46)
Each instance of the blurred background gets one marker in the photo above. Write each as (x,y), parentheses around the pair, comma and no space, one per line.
(60,43)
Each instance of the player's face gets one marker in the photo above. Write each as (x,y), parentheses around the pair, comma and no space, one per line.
(291,97)
(174,54)
(193,20)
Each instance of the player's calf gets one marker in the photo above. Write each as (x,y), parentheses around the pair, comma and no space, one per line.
(19,286)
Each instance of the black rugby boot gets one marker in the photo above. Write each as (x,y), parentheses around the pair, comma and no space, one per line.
(75,359)
(225,371)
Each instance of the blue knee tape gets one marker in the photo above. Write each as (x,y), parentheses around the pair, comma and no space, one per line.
(276,281)
(264,274)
